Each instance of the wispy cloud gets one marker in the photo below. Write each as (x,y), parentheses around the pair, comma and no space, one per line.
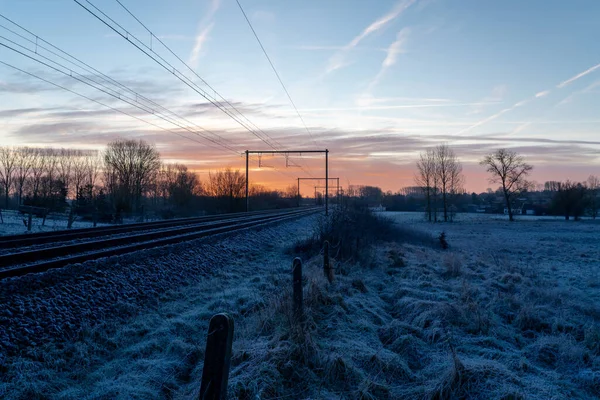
(199,42)
(204,28)
(549,111)
(580,75)
(542,94)
(338,60)
(534,97)
(328,48)
(396,48)
(368,100)
(390,107)
(493,117)
(497,95)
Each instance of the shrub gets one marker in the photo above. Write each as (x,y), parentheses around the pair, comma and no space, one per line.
(352,230)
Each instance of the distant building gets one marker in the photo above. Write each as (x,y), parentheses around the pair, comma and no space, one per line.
(515,211)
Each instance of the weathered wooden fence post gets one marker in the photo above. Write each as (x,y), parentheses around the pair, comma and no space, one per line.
(326,266)
(297,281)
(29,220)
(217,357)
(46,211)
(71,217)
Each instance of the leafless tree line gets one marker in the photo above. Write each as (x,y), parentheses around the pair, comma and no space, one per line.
(573,199)
(439,174)
(38,172)
(127,175)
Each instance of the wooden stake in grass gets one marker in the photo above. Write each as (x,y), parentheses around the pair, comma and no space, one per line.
(326,266)
(217,358)
(297,281)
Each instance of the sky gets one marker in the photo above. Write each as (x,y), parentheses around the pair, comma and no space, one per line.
(375,82)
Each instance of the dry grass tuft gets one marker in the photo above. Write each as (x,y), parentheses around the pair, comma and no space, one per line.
(452,264)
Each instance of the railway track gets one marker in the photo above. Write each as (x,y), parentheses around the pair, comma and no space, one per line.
(32,239)
(59,252)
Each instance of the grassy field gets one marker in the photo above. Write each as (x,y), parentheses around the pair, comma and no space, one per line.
(509,311)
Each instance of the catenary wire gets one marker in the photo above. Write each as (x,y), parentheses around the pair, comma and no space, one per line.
(276,73)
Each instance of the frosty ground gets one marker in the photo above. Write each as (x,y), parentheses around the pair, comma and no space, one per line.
(14,223)
(509,311)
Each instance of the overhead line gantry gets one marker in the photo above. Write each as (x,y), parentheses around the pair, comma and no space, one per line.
(288,152)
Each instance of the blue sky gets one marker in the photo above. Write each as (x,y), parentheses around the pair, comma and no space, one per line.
(375,81)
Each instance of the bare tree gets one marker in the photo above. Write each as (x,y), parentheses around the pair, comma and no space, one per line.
(181,185)
(448,171)
(93,166)
(593,185)
(8,171)
(85,167)
(425,178)
(64,166)
(227,184)
(38,169)
(570,199)
(130,166)
(456,182)
(25,158)
(510,170)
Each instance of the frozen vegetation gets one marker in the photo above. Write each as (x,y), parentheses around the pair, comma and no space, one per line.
(16,223)
(509,311)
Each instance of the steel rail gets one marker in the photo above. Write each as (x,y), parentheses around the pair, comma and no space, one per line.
(60,256)
(23,240)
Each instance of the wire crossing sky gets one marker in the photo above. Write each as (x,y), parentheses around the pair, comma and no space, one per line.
(375,82)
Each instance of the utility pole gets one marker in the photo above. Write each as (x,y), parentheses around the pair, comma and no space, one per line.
(316,179)
(320,187)
(326,182)
(286,152)
(247,209)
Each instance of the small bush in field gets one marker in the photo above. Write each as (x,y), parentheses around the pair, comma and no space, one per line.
(443,242)
(352,230)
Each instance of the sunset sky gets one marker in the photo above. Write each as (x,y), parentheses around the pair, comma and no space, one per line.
(376,82)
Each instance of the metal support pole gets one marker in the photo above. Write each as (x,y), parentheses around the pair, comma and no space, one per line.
(247,209)
(298,192)
(326,182)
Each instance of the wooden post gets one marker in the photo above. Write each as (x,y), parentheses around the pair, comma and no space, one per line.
(326,266)
(71,217)
(297,282)
(217,358)
(1,218)
(29,220)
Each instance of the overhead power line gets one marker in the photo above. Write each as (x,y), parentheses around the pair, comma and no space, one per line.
(95,101)
(144,48)
(222,98)
(276,73)
(142,102)
(216,94)
(80,78)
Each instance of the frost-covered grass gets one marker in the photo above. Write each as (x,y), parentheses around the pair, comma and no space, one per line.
(14,223)
(510,311)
